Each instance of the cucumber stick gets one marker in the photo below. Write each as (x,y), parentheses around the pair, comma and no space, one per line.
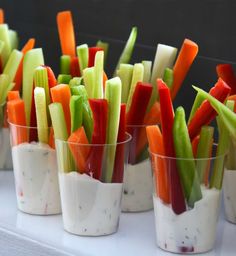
(83,56)
(76,112)
(98,75)
(88,76)
(113,96)
(4,36)
(64,79)
(147,71)
(41,114)
(65,64)
(105,47)
(32,60)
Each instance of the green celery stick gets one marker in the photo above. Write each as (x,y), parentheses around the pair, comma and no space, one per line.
(76,111)
(41,114)
(128,50)
(83,55)
(14,40)
(147,64)
(9,87)
(98,75)
(222,148)
(32,60)
(1,46)
(75,81)
(203,150)
(65,64)
(168,77)
(105,47)
(4,83)
(88,76)
(231,159)
(4,36)
(197,103)
(185,160)
(113,96)
(125,74)
(138,73)
(63,79)
(12,64)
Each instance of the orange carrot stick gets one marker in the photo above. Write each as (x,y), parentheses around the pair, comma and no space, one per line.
(13,95)
(1,16)
(159,165)
(186,56)
(195,145)
(16,115)
(61,93)
(51,141)
(79,152)
(66,33)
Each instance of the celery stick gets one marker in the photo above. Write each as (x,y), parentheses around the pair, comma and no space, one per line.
(98,75)
(113,96)
(138,73)
(147,71)
(164,58)
(105,47)
(4,83)
(41,114)
(231,159)
(128,50)
(65,64)
(204,147)
(125,74)
(76,111)
(32,60)
(75,81)
(4,36)
(83,55)
(222,148)
(89,80)
(197,103)
(14,40)
(1,46)
(12,64)
(63,79)
(168,77)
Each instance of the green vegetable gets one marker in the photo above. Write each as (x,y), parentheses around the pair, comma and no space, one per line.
(1,47)
(185,159)
(147,71)
(125,74)
(168,77)
(105,47)
(14,40)
(128,50)
(4,83)
(98,75)
(113,96)
(64,79)
(88,76)
(32,60)
(197,103)
(83,55)
(65,64)
(4,37)
(75,81)
(41,114)
(76,112)
(203,150)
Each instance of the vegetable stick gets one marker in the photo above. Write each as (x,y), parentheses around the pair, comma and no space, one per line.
(196,104)
(98,75)
(147,71)
(61,93)
(4,36)
(232,97)
(51,140)
(105,47)
(4,83)
(113,97)
(76,112)
(168,77)
(41,114)
(13,95)
(66,33)
(89,78)
(83,56)
(33,133)
(104,80)
(128,49)
(74,67)
(32,59)
(195,142)
(52,81)
(80,153)
(65,62)
(187,54)
(63,79)
(1,16)
(167,121)
(92,53)
(14,40)
(75,81)
(1,50)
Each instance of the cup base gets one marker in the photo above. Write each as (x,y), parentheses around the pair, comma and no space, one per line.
(39,212)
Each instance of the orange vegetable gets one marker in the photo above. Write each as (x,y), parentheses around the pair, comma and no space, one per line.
(186,56)
(66,33)
(1,16)
(61,93)
(51,141)
(195,145)
(105,78)
(13,95)
(159,165)
(79,152)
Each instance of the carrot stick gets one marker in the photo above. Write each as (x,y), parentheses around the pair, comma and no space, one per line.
(66,33)
(183,63)
(159,165)
(195,142)
(1,16)
(13,95)
(16,116)
(18,78)
(51,141)
(80,153)
(61,93)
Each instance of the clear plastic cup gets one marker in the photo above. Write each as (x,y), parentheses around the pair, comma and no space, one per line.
(188,225)
(138,178)
(5,147)
(35,172)
(91,204)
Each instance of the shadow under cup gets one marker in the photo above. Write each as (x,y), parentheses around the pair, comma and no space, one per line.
(186,204)
(91,185)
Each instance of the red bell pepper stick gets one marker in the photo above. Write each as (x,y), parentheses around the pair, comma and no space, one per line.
(74,67)
(118,171)
(136,114)
(226,72)
(167,121)
(99,108)
(92,53)
(52,81)
(205,113)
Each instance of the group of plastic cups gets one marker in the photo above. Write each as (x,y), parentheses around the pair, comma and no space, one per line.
(89,207)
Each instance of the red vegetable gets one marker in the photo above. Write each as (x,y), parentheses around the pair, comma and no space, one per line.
(74,67)
(52,81)
(92,53)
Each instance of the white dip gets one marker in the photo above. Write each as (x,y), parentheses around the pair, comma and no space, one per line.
(230,195)
(36,178)
(89,207)
(138,188)
(5,149)
(192,231)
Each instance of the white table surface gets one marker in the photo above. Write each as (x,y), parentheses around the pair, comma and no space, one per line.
(23,234)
